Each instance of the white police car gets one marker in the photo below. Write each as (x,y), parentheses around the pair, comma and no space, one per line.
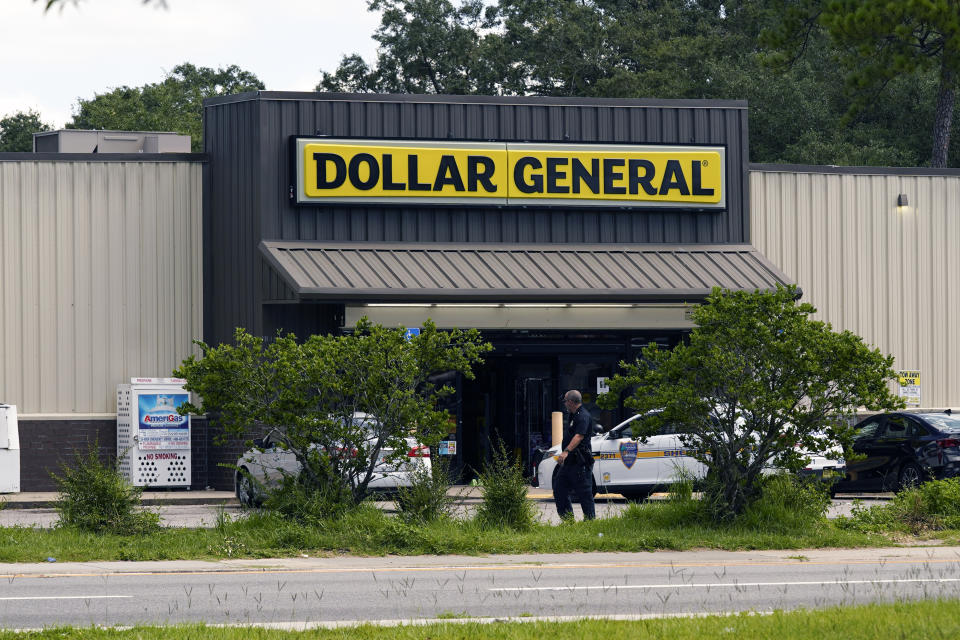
(263,467)
(624,465)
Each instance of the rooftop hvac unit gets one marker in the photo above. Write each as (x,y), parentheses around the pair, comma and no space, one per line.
(86,141)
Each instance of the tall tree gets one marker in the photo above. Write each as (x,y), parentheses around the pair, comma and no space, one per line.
(655,49)
(175,104)
(17,129)
(879,41)
(426,46)
(757,382)
(309,391)
(539,47)
(609,48)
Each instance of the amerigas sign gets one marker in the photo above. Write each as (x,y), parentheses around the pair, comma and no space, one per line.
(332,170)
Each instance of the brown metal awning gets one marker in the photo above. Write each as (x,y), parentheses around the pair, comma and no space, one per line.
(447,273)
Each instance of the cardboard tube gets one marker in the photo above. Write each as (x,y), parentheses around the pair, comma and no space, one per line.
(557,418)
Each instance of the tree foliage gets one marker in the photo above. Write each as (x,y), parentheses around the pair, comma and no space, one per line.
(878,41)
(16,130)
(758,381)
(805,113)
(426,46)
(609,48)
(310,391)
(174,104)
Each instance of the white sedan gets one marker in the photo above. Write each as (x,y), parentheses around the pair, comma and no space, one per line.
(264,466)
(625,465)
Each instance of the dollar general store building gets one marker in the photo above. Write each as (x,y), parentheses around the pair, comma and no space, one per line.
(570,231)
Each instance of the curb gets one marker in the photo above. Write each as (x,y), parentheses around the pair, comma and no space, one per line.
(148,502)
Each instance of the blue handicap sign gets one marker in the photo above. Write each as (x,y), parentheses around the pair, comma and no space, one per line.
(412,333)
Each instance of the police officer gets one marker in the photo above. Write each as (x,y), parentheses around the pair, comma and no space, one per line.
(575,459)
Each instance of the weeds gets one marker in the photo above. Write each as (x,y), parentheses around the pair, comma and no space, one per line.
(294,500)
(94,497)
(505,502)
(427,498)
(931,506)
(928,618)
(787,503)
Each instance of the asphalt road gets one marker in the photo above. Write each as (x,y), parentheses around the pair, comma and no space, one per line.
(333,591)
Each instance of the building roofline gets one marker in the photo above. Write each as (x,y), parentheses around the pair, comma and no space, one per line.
(838,170)
(51,156)
(473,99)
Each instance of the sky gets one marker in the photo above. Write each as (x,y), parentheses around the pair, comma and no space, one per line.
(49,60)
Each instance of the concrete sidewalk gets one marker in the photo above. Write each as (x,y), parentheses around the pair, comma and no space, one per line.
(46,499)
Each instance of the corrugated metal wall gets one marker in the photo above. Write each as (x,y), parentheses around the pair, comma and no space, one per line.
(890,275)
(248,140)
(232,277)
(100,278)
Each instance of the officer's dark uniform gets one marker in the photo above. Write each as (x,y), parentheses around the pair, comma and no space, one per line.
(576,474)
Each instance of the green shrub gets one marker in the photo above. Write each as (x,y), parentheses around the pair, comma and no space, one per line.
(932,506)
(94,497)
(426,499)
(505,502)
(681,509)
(787,503)
(294,500)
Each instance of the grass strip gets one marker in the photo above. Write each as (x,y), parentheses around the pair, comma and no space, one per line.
(928,619)
(368,531)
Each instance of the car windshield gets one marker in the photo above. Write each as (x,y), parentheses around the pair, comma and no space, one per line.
(943,422)
(671,429)
(623,432)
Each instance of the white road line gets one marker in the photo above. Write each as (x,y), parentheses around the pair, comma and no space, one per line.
(712,585)
(62,597)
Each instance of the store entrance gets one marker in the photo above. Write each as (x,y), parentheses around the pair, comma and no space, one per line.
(519,386)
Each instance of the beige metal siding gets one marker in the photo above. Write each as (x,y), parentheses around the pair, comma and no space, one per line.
(889,275)
(100,278)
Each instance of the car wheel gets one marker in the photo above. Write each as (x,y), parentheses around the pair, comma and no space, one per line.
(910,476)
(247,492)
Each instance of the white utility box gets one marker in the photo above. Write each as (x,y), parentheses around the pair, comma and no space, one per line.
(153,440)
(9,450)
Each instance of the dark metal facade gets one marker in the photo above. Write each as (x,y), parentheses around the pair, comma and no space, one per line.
(247,138)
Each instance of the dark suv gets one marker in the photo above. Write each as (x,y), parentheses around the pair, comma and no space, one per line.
(903,449)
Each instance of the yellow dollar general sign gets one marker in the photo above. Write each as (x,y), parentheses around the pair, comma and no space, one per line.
(333,170)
